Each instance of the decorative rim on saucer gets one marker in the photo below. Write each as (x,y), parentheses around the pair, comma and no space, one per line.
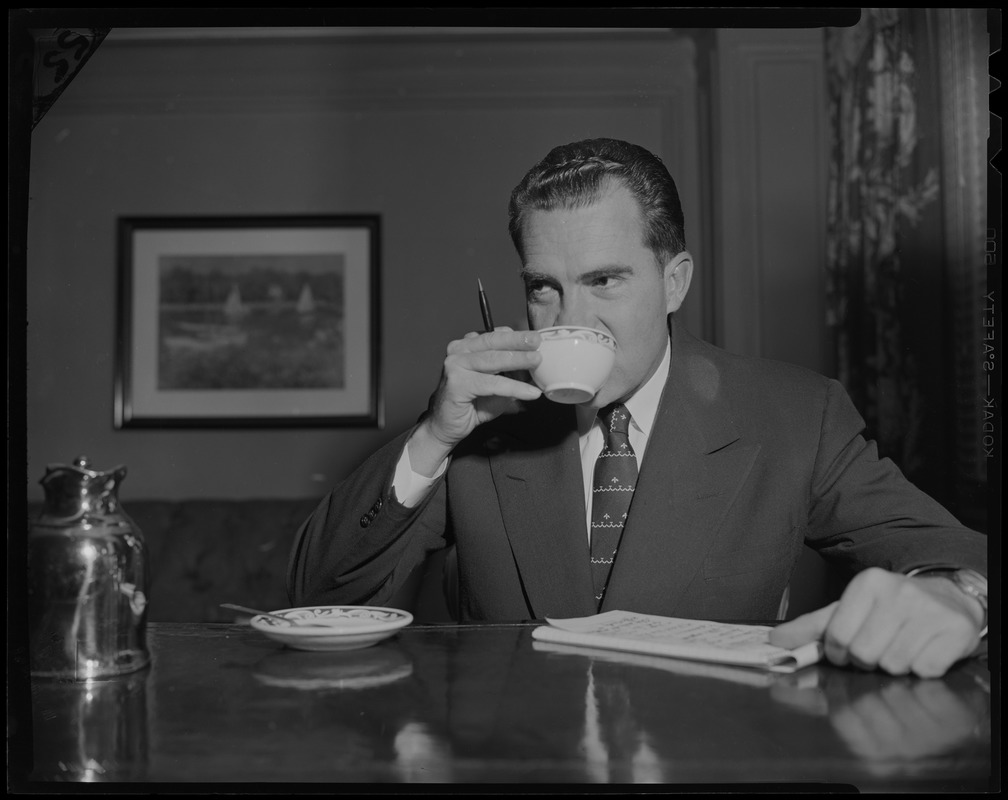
(350,620)
(341,628)
(576,332)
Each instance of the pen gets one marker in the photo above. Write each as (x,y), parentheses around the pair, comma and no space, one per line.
(488,325)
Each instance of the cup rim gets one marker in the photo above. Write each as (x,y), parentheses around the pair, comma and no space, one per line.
(607,339)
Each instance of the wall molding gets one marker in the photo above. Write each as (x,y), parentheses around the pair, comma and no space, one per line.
(311,75)
(751,68)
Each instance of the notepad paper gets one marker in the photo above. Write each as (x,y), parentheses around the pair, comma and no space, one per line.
(695,640)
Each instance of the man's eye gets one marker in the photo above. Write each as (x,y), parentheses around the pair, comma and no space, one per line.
(537,288)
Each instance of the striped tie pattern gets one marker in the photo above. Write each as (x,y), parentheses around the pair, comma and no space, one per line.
(612,490)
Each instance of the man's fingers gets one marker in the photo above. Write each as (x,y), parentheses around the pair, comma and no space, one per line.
(501,386)
(491,362)
(875,638)
(474,334)
(477,381)
(491,407)
(869,592)
(500,339)
(804,629)
(898,656)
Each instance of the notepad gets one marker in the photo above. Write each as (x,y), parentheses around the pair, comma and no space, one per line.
(690,639)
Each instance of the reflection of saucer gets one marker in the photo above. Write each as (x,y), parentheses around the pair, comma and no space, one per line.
(352,669)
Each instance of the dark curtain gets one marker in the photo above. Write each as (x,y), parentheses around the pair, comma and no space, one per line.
(889,294)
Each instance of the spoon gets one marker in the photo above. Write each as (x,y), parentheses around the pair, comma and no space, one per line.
(296,623)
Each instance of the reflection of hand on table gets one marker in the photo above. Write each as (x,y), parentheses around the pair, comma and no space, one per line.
(903,721)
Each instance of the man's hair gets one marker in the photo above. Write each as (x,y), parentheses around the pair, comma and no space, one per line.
(576,175)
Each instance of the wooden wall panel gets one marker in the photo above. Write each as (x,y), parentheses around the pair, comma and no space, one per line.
(770,176)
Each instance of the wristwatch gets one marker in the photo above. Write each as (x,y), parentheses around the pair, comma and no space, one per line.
(969,581)
(975,585)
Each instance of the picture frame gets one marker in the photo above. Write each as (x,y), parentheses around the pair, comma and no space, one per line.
(257,321)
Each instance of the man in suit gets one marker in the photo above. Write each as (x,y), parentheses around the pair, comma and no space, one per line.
(737,462)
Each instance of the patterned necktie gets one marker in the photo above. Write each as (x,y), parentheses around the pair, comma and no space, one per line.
(612,490)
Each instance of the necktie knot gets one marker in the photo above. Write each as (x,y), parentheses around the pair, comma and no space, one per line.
(615,421)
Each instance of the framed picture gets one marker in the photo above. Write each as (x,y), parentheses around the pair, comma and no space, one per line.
(248,322)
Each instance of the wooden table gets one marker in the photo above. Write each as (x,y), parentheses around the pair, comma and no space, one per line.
(483,704)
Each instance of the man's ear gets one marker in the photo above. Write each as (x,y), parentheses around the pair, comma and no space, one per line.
(678,273)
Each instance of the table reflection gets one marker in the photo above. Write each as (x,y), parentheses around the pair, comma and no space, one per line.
(340,671)
(891,725)
(471,704)
(903,722)
(648,719)
(91,731)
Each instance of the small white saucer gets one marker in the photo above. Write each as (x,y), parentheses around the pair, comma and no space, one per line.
(334,628)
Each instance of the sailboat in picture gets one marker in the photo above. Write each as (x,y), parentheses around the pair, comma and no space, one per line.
(233,306)
(306,301)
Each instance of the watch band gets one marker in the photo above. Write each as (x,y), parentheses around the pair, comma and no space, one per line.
(969,582)
(975,585)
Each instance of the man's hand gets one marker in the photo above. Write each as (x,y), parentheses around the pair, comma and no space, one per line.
(473,390)
(892,622)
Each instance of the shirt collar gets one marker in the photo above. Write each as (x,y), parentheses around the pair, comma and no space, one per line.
(642,404)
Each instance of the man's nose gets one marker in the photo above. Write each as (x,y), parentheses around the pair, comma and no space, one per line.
(573,311)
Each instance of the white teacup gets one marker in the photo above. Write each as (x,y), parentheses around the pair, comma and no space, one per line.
(575,362)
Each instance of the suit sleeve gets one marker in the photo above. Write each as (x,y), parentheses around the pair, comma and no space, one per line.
(863,511)
(360,544)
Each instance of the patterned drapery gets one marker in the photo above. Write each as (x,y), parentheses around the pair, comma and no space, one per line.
(59,55)
(880,187)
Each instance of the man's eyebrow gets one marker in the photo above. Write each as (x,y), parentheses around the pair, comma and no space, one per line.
(606,271)
(527,274)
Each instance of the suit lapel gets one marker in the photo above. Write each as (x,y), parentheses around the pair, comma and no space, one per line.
(692,470)
(537,476)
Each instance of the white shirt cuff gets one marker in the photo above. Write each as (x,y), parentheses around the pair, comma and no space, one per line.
(411,487)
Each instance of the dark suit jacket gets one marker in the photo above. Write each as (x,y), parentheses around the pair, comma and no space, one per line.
(748,460)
